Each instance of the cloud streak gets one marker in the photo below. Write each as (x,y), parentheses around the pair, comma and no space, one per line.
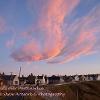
(61,44)
(2,25)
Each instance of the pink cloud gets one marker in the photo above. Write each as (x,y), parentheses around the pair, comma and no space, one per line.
(59,46)
(10,43)
(54,17)
(2,25)
(85,39)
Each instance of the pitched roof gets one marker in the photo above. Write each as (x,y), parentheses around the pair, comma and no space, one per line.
(39,77)
(22,78)
(54,77)
(8,77)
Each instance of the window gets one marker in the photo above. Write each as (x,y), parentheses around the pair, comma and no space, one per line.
(16,82)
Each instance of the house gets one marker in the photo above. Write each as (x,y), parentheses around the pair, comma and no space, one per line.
(98,76)
(53,79)
(41,80)
(2,83)
(92,77)
(46,80)
(61,79)
(15,80)
(22,80)
(68,78)
(76,78)
(82,78)
(95,77)
(86,78)
(10,80)
(31,79)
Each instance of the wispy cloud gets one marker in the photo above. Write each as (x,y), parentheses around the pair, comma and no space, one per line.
(2,25)
(61,44)
(10,43)
(85,38)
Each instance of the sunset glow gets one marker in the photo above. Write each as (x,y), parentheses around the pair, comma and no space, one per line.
(51,31)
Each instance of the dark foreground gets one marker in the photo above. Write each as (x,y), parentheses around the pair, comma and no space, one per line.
(73,91)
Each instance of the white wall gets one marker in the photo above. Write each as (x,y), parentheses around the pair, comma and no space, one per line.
(98,78)
(16,79)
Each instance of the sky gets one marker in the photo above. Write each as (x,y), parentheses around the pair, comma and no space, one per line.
(50,36)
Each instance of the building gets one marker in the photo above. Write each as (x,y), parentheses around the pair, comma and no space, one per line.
(76,78)
(30,79)
(54,80)
(22,80)
(2,83)
(10,80)
(98,77)
(40,79)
